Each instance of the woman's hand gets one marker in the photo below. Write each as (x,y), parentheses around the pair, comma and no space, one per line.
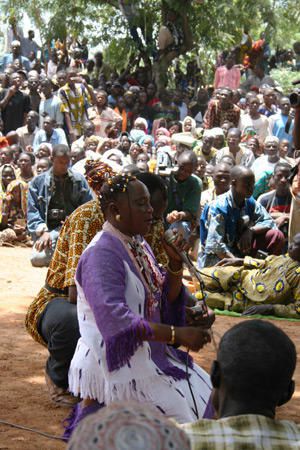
(175,216)
(193,338)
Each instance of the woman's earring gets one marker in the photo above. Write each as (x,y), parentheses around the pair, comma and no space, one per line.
(118,217)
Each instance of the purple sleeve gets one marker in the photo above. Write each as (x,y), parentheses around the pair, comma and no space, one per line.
(102,276)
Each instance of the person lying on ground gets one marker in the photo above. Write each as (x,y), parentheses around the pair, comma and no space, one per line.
(252,286)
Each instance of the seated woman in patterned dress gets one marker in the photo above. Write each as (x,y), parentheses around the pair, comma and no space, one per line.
(54,307)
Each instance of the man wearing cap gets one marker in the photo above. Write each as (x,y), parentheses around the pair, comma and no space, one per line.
(9,58)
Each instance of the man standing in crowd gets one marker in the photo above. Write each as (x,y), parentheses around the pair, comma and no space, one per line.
(52,197)
(281,124)
(50,105)
(228,75)
(14,104)
(9,58)
(29,45)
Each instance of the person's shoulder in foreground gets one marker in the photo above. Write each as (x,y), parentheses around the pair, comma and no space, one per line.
(251,377)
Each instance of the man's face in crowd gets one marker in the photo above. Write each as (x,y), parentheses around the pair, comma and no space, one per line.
(225,98)
(270,98)
(42,166)
(31,34)
(253,104)
(284,148)
(271,148)
(244,185)
(207,143)
(294,248)
(16,50)
(16,80)
(229,62)
(233,139)
(46,88)
(48,125)
(285,106)
(185,170)
(24,163)
(61,79)
(43,151)
(221,179)
(280,177)
(32,119)
(77,155)
(60,164)
(6,156)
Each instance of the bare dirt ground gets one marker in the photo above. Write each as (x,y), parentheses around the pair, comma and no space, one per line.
(23,396)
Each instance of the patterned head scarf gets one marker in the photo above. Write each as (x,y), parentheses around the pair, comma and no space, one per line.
(128,426)
(11,190)
(97,173)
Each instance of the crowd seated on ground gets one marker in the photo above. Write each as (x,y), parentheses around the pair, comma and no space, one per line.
(95,166)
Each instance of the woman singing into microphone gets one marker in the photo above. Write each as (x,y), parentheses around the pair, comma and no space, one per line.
(131,313)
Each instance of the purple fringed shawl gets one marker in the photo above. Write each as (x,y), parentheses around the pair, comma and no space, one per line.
(102,276)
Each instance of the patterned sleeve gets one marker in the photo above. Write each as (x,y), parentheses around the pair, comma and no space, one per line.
(64,105)
(81,232)
(209,116)
(215,234)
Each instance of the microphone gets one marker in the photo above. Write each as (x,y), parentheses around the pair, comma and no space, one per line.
(170,238)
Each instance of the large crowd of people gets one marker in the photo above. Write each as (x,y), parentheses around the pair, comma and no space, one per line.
(95,166)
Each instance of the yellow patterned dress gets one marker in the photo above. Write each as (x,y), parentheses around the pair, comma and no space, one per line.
(275,280)
(77,232)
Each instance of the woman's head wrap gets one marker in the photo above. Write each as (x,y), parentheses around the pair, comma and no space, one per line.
(97,173)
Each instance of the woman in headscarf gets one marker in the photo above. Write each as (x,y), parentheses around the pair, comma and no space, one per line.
(128,426)
(161,131)
(189,126)
(14,213)
(7,174)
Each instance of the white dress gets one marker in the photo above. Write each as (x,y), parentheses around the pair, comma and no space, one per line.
(140,378)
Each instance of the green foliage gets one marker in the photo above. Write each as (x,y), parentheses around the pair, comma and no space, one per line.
(284,77)
(216,24)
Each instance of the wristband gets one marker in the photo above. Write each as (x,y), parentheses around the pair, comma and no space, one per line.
(173,337)
(177,273)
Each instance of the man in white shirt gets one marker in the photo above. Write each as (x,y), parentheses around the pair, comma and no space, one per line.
(268,161)
(50,104)
(27,132)
(253,123)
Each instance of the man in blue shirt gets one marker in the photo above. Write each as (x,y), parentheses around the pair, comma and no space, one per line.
(9,58)
(53,196)
(49,134)
(236,224)
(278,122)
